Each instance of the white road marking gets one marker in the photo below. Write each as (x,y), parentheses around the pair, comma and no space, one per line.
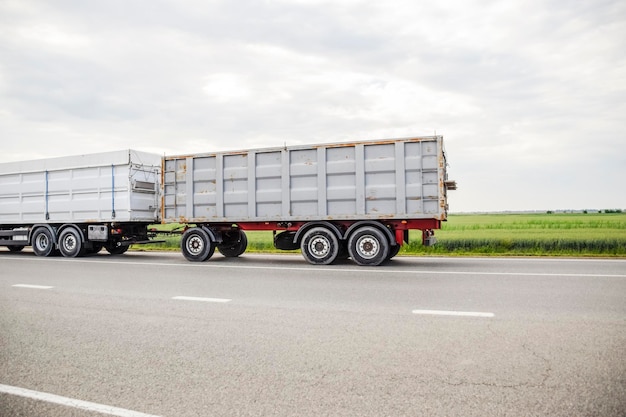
(453,313)
(37,287)
(361,270)
(205,299)
(71,402)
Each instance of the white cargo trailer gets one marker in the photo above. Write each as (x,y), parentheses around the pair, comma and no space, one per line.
(79,204)
(355,199)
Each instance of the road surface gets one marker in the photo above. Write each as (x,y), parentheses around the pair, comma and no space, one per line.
(150,334)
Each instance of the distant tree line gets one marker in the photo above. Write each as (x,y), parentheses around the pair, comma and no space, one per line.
(607,211)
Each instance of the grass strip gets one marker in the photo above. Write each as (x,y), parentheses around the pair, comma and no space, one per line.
(577,234)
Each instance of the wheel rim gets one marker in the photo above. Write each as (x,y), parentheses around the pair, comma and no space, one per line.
(69,243)
(195,245)
(42,242)
(368,246)
(319,247)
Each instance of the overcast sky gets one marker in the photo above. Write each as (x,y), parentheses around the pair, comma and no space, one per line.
(529,95)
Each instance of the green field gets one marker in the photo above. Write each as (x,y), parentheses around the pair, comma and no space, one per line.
(594,234)
(579,234)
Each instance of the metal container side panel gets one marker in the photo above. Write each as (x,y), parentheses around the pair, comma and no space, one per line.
(266,191)
(84,194)
(365,180)
(80,189)
(19,196)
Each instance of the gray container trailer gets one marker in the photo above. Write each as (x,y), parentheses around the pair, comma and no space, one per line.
(356,199)
(79,203)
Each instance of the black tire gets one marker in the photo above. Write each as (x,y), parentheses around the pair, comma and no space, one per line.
(15,248)
(71,243)
(43,242)
(235,244)
(368,246)
(343,250)
(95,248)
(196,245)
(319,246)
(115,249)
(393,251)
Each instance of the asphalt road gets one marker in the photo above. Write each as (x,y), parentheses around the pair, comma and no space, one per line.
(152,334)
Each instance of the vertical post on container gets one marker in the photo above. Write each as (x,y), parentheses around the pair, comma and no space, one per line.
(322,199)
(252,212)
(285,184)
(359,157)
(189,192)
(219,185)
(112,191)
(162,197)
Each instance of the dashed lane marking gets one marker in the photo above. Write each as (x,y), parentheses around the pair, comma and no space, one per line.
(454,313)
(36,287)
(204,299)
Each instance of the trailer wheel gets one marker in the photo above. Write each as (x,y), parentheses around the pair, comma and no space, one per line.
(235,244)
(95,248)
(196,245)
(393,251)
(71,243)
(43,242)
(320,246)
(343,250)
(368,246)
(115,249)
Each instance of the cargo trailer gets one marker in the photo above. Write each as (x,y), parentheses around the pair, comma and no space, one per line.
(77,204)
(332,201)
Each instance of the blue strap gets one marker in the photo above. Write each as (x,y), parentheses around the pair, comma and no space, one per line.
(112,191)
(46,198)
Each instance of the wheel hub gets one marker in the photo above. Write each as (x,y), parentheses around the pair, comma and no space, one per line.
(70,243)
(42,242)
(368,247)
(195,245)
(319,247)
